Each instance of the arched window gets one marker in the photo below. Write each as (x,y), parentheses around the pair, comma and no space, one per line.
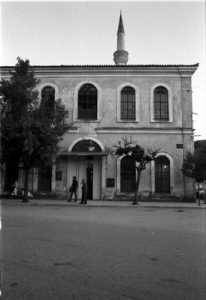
(162,175)
(87,102)
(48,96)
(86,146)
(161,106)
(128,109)
(127,174)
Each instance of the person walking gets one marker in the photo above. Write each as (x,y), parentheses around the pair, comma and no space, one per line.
(73,189)
(84,192)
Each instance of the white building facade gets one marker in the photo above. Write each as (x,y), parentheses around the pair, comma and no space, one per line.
(150,103)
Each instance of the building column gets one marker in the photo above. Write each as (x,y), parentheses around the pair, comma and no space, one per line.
(118,175)
(103,185)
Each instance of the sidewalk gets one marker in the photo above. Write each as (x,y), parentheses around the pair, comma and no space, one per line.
(104,203)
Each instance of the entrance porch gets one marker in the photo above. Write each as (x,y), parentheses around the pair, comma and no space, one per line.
(88,166)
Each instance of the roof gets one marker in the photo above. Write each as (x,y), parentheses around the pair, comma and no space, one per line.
(110,66)
(106,70)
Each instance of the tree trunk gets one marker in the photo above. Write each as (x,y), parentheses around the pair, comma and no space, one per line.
(26,185)
(198,193)
(135,202)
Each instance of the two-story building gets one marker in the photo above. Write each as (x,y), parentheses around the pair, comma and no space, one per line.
(150,103)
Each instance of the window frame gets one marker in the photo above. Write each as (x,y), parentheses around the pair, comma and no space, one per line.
(46,102)
(125,102)
(42,85)
(152,104)
(75,103)
(161,104)
(172,172)
(88,98)
(137,103)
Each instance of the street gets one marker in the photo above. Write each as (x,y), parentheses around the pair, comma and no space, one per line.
(101,253)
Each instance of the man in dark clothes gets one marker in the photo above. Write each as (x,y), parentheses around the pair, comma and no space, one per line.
(84,192)
(73,189)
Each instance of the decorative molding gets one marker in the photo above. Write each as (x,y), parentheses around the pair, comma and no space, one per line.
(105,75)
(86,138)
(48,83)
(146,131)
(68,71)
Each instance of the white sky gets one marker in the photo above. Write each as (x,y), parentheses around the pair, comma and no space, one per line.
(71,32)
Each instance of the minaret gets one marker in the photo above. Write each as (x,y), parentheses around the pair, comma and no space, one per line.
(120,56)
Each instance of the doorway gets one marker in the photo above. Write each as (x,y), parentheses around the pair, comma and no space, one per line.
(127,174)
(89,174)
(162,175)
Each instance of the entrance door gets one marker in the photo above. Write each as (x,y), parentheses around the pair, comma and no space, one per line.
(127,175)
(162,175)
(89,172)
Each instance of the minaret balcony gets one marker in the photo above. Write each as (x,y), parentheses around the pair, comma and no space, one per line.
(121,57)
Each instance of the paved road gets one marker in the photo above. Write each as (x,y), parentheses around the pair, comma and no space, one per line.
(100,253)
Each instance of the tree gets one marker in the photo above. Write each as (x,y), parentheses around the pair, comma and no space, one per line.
(194,164)
(31,129)
(16,94)
(141,157)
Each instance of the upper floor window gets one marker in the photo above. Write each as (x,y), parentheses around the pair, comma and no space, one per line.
(47,100)
(87,102)
(48,96)
(161,105)
(128,109)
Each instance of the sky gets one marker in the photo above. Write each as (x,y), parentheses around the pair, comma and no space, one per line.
(82,33)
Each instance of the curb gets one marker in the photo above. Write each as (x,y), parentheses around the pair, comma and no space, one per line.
(5,202)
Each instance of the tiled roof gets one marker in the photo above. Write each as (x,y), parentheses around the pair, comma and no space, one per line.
(109,66)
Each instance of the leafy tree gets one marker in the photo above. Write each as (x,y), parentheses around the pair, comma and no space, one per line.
(31,129)
(16,94)
(194,164)
(141,157)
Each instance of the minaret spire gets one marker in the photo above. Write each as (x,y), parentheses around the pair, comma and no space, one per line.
(120,56)
(121,26)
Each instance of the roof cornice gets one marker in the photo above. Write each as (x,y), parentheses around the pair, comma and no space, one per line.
(59,70)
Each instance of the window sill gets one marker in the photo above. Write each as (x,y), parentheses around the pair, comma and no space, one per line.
(127,121)
(160,121)
(86,121)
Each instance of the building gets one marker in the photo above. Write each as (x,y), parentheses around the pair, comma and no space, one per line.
(150,103)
